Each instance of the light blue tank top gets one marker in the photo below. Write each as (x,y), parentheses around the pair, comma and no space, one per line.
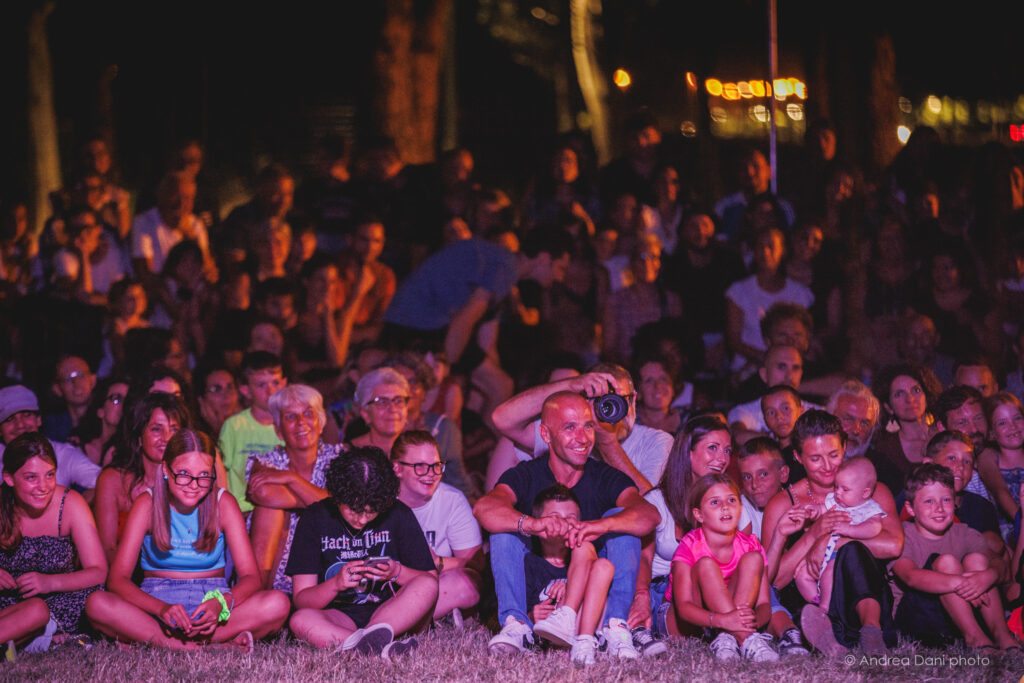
(182,557)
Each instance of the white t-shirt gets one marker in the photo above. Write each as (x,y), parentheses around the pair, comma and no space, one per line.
(447,521)
(750,416)
(665,541)
(646,447)
(755,302)
(74,468)
(152,240)
(754,515)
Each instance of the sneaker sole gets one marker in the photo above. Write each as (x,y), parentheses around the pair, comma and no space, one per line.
(504,649)
(373,641)
(399,648)
(554,638)
(654,649)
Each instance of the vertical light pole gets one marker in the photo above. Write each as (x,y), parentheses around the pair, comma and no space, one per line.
(773,68)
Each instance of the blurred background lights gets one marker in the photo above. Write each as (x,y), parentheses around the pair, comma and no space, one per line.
(757,88)
(691,80)
(713,86)
(730,91)
(622,78)
(719,115)
(760,112)
(688,129)
(962,112)
(903,133)
(934,104)
(905,106)
(744,90)
(795,111)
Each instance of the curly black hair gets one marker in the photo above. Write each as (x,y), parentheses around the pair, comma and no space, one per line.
(363,479)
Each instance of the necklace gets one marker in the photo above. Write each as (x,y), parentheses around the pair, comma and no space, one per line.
(810,495)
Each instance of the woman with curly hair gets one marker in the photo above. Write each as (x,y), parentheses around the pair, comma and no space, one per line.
(361,568)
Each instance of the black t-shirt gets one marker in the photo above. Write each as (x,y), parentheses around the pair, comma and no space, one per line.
(540,573)
(977,513)
(598,489)
(324,543)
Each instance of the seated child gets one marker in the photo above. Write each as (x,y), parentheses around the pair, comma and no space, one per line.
(944,587)
(719,580)
(763,473)
(855,484)
(561,583)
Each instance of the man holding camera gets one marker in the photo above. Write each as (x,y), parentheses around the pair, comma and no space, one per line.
(613,516)
(638,451)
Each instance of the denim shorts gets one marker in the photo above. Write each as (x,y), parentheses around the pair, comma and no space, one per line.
(185,592)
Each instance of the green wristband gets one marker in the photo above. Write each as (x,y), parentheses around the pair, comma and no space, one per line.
(224,611)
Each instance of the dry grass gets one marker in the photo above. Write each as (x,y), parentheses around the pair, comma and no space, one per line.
(447,655)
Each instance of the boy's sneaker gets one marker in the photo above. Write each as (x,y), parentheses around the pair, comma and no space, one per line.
(514,637)
(757,648)
(725,648)
(646,644)
(399,648)
(792,643)
(818,627)
(583,650)
(559,628)
(371,640)
(618,640)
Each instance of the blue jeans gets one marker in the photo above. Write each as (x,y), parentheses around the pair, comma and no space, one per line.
(508,550)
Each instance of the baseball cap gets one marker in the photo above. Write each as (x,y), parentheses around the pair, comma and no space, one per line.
(14,399)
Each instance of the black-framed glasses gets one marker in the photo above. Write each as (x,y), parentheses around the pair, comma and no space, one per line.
(384,401)
(183,479)
(421,468)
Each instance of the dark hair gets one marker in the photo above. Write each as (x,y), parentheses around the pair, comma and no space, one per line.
(702,486)
(761,445)
(254,361)
(780,389)
(939,441)
(924,474)
(186,441)
(554,242)
(972,359)
(363,479)
(675,480)
(21,449)
(413,437)
(271,287)
(91,425)
(179,252)
(137,414)
(813,423)
(785,310)
(955,398)
(881,386)
(556,493)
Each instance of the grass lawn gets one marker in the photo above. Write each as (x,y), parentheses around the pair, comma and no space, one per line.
(450,655)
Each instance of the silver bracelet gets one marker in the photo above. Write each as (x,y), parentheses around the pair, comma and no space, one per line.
(519,525)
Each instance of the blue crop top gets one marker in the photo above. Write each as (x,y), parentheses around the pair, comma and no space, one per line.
(182,557)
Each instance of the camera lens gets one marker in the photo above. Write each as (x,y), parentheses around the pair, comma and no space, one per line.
(611,408)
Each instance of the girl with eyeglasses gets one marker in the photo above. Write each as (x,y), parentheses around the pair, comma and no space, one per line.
(43,529)
(178,532)
(446,518)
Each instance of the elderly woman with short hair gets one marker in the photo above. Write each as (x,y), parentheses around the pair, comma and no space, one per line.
(382,397)
(287,479)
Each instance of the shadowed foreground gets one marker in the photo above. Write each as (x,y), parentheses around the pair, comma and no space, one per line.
(446,654)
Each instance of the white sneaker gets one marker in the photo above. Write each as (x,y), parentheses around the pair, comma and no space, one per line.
(619,640)
(725,648)
(514,637)
(559,627)
(757,648)
(583,650)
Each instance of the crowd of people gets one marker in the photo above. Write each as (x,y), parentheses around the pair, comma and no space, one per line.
(596,411)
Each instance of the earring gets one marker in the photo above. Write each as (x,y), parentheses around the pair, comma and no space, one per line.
(893,425)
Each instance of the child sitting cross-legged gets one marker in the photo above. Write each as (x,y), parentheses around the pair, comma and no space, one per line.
(945,589)
(855,484)
(719,580)
(566,590)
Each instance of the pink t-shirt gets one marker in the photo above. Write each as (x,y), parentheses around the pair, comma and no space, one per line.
(692,547)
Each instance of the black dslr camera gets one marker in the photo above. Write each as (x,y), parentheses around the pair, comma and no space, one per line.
(611,407)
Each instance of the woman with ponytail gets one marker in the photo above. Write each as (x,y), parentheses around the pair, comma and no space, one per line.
(44,529)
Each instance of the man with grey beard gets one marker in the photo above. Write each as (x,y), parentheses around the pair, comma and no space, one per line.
(857,410)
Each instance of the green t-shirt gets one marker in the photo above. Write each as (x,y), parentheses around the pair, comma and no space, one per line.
(240,436)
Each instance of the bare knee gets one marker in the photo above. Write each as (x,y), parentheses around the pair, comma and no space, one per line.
(100,605)
(584,552)
(272,605)
(947,564)
(975,562)
(602,569)
(751,562)
(461,583)
(707,567)
(35,612)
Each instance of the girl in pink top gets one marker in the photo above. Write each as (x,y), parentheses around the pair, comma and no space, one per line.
(719,581)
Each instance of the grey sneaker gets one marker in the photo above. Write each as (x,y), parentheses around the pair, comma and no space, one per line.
(559,627)
(513,638)
(725,648)
(399,648)
(818,628)
(757,648)
(791,643)
(646,644)
(371,640)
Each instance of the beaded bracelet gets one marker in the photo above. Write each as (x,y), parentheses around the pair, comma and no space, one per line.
(519,525)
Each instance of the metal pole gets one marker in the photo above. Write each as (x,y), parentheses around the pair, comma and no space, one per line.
(773,68)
